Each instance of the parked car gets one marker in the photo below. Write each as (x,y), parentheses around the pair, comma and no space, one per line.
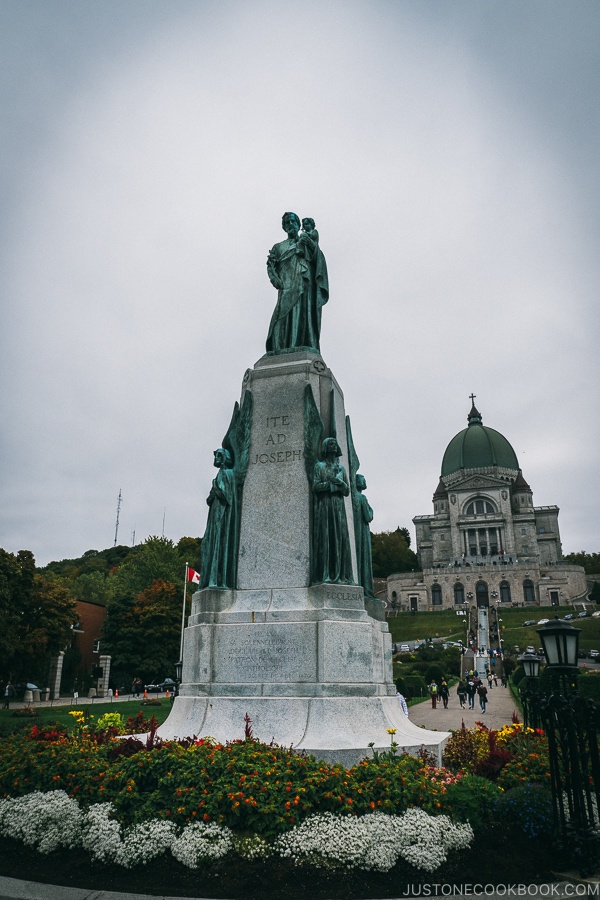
(568,617)
(530,622)
(161,687)
(582,615)
(594,654)
(404,648)
(582,654)
(595,615)
(543,621)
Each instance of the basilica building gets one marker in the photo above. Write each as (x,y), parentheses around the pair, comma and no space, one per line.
(486,542)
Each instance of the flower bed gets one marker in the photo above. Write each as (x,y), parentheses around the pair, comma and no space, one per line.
(198,802)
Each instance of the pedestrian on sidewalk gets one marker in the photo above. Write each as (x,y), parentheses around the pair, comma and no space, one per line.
(444,693)
(489,680)
(471,691)
(461,690)
(9,693)
(402,702)
(483,697)
(433,690)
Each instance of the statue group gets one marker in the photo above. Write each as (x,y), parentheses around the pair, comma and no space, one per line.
(297,269)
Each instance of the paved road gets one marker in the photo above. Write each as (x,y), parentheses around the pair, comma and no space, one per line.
(500,709)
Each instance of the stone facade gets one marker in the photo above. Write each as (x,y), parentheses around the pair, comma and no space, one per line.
(516,584)
(491,543)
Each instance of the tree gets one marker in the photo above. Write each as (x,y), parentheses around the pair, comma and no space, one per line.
(589,561)
(595,593)
(391,553)
(143,612)
(36,617)
(189,550)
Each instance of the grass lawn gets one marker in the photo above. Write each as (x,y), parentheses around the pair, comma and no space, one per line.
(60,714)
(446,624)
(443,624)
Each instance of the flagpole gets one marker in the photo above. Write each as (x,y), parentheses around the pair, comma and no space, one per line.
(183,612)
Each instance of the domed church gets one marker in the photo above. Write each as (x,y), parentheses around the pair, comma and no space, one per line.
(485,528)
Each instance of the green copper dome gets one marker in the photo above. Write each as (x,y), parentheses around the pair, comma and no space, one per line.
(478,447)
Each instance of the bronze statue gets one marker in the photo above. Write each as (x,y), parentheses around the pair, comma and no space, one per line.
(331,561)
(297,269)
(219,550)
(218,543)
(363,516)
(364,558)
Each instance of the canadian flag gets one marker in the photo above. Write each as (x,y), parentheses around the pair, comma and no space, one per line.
(193,576)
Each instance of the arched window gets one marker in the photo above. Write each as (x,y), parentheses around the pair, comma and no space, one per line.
(504,592)
(459,593)
(479,506)
(436,595)
(481,592)
(528,591)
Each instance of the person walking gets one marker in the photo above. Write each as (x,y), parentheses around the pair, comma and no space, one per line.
(471,691)
(489,680)
(483,697)
(402,702)
(461,690)
(444,693)
(433,690)
(9,693)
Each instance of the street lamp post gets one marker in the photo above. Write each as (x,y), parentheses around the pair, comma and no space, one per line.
(529,692)
(178,675)
(571,724)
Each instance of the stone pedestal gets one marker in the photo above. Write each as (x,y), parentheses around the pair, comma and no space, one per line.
(310,664)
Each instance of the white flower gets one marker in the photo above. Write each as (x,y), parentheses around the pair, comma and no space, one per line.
(374,841)
(201,842)
(44,821)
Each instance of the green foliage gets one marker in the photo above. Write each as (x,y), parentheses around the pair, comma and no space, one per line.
(589,561)
(411,686)
(472,799)
(434,672)
(518,675)
(36,615)
(142,626)
(465,749)
(189,551)
(509,664)
(245,785)
(595,592)
(102,561)
(391,553)
(589,686)
(526,809)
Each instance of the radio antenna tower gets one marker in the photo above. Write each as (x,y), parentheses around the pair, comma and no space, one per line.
(118,511)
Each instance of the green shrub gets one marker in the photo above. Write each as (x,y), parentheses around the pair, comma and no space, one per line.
(472,799)
(412,686)
(589,686)
(526,809)
(518,675)
(434,673)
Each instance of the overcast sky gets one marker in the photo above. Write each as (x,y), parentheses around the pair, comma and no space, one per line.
(449,155)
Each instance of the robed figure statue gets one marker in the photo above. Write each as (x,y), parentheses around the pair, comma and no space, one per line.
(297,268)
(364,555)
(332,560)
(219,541)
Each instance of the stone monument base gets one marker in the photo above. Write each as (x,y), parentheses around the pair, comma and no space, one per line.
(334,729)
(309,665)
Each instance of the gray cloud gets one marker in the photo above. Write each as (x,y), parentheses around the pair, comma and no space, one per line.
(447,159)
